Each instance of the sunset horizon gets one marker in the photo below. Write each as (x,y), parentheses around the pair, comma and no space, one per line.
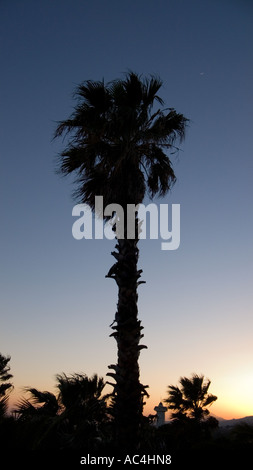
(110,111)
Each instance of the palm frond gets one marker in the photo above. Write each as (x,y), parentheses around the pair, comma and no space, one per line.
(152,86)
(209,400)
(25,408)
(4,368)
(3,406)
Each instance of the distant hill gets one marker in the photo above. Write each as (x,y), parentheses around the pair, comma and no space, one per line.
(234,422)
(223,423)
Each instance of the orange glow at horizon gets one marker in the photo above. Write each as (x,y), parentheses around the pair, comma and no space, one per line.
(225,407)
(232,384)
(234,391)
(225,410)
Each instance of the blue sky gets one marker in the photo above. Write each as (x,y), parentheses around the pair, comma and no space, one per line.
(196,305)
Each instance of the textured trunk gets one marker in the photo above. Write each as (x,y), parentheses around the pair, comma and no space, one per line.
(128,392)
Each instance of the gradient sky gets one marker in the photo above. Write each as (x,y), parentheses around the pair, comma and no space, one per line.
(196,305)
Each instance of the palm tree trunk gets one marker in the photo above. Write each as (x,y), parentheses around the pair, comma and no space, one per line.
(128,391)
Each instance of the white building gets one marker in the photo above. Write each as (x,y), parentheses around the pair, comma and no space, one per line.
(160,414)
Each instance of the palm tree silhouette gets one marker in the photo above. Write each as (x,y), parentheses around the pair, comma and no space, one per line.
(71,419)
(191,400)
(84,409)
(116,148)
(5,386)
(39,404)
(81,397)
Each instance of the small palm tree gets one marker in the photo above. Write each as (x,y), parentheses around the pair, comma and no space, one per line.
(69,419)
(117,149)
(84,409)
(191,400)
(38,420)
(81,397)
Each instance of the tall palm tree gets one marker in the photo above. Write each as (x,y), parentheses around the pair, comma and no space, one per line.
(191,400)
(117,149)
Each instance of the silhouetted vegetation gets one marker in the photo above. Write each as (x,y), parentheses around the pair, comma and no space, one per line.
(190,402)
(190,417)
(117,149)
(5,386)
(79,420)
(75,418)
